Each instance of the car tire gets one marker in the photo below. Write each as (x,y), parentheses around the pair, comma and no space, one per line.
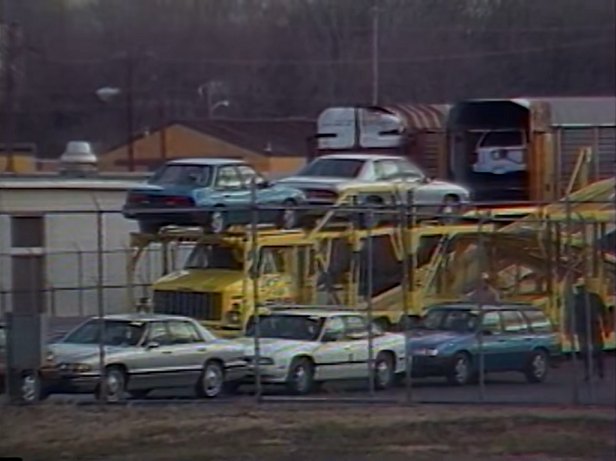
(115,385)
(31,388)
(149,227)
(460,372)
(300,380)
(384,371)
(450,209)
(217,221)
(288,216)
(537,367)
(211,381)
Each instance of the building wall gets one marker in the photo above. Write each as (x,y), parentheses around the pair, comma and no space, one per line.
(183,142)
(22,163)
(68,256)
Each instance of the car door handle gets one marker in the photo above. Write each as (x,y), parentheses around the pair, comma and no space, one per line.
(202,349)
(501,340)
(167,352)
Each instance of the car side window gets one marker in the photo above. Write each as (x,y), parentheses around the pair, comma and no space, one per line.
(228,178)
(386,169)
(408,169)
(183,333)
(248,174)
(514,322)
(539,323)
(356,327)
(159,334)
(334,329)
(491,322)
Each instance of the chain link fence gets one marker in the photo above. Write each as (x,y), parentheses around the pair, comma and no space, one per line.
(403,304)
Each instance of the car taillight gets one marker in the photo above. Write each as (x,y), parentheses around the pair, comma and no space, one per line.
(137,198)
(178,201)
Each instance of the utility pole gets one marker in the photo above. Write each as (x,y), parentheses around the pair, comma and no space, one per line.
(8,38)
(129,111)
(375,53)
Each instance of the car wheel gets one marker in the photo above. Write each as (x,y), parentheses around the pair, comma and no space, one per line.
(460,372)
(149,227)
(301,376)
(212,380)
(30,389)
(288,219)
(537,367)
(218,221)
(450,209)
(115,385)
(384,373)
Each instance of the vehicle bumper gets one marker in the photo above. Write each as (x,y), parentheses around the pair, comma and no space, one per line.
(56,382)
(269,374)
(424,366)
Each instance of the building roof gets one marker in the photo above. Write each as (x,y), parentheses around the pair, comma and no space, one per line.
(205,161)
(274,137)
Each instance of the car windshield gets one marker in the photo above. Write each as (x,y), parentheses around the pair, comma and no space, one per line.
(298,327)
(212,257)
(334,168)
(182,175)
(117,333)
(460,321)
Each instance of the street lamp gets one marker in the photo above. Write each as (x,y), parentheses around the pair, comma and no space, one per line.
(208,88)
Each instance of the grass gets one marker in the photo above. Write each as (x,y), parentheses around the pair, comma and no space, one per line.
(305,433)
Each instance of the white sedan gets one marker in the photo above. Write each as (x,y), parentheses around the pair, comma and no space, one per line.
(302,348)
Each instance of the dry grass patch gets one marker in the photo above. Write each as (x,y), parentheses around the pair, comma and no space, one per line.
(298,433)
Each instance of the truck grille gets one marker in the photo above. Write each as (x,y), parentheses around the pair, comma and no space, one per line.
(200,306)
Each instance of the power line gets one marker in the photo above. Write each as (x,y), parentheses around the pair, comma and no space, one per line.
(354,61)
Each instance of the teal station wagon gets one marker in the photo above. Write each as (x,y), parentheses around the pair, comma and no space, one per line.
(214,193)
(512,337)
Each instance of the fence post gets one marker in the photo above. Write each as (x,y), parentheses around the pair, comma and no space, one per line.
(254,275)
(100,259)
(408,357)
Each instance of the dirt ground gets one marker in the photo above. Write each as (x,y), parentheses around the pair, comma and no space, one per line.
(287,432)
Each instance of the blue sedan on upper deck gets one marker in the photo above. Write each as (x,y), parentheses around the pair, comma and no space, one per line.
(210,192)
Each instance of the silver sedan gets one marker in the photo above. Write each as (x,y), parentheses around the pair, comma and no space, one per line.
(142,352)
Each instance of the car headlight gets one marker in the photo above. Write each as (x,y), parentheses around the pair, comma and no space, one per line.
(427,351)
(75,367)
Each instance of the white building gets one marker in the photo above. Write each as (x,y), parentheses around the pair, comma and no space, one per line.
(49,241)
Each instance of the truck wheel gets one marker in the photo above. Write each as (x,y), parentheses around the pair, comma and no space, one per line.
(288,218)
(149,227)
(218,221)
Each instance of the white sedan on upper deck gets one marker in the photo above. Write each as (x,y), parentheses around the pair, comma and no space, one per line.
(325,178)
(302,348)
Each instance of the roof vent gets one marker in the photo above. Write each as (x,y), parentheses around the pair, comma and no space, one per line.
(78,160)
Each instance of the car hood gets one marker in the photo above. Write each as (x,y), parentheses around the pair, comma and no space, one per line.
(80,353)
(205,280)
(424,338)
(272,347)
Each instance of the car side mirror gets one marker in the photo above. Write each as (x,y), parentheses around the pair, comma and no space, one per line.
(152,345)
